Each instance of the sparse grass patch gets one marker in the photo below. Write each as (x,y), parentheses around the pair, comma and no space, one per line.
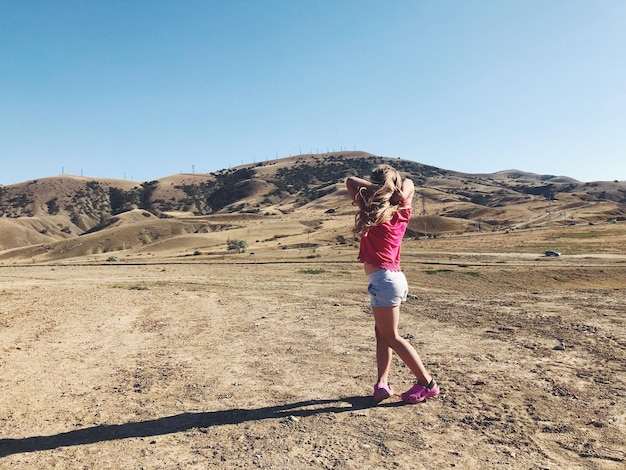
(438,271)
(130,287)
(582,236)
(195,253)
(313,271)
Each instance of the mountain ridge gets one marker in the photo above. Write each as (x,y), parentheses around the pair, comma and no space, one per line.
(38,215)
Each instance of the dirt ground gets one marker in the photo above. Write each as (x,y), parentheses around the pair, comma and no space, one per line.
(268,364)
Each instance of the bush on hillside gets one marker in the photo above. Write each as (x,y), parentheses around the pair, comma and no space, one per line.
(237,245)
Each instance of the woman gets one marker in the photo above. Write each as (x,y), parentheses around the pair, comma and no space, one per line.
(384,213)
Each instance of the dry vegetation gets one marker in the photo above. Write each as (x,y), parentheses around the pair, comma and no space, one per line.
(148,344)
(69,217)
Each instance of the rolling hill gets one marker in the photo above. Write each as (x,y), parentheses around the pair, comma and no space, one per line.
(278,202)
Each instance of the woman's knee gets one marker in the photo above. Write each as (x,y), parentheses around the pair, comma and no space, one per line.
(392,339)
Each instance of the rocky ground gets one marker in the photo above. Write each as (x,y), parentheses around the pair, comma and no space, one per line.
(262,364)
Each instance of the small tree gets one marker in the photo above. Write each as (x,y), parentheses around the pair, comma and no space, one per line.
(53,206)
(237,245)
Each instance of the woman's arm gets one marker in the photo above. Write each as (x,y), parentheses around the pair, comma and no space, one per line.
(404,194)
(354,185)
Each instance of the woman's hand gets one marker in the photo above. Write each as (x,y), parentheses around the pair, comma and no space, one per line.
(396,198)
(404,194)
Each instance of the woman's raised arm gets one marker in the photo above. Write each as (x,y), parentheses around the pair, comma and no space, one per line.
(354,186)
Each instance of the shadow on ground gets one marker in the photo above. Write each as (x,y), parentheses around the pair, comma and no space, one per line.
(183,422)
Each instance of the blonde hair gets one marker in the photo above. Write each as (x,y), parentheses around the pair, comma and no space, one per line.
(377,207)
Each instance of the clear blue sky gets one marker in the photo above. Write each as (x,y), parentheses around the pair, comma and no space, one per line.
(145,89)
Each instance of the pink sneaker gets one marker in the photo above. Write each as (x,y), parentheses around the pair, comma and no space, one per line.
(418,393)
(381,392)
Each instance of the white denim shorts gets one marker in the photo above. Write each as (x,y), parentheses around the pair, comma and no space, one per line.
(387,288)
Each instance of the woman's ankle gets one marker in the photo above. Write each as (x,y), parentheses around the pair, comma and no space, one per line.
(427,383)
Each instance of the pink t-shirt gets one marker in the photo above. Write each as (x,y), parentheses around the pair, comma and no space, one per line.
(380,246)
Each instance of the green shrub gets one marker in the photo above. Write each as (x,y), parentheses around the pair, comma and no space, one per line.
(237,245)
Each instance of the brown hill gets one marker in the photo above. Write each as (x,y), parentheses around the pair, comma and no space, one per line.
(278,203)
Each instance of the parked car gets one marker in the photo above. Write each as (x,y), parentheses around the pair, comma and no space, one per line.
(552,253)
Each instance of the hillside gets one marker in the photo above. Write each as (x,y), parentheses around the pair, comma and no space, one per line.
(288,199)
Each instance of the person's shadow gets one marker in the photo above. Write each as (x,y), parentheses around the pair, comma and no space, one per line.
(183,422)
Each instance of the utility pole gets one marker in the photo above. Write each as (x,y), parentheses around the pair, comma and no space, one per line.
(549,207)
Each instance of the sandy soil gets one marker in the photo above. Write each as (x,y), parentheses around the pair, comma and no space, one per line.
(270,365)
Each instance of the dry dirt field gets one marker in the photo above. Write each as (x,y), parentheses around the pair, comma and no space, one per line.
(267,361)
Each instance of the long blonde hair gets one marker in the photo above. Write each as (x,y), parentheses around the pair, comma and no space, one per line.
(377,207)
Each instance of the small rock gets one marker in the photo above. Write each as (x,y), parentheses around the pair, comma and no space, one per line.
(560,347)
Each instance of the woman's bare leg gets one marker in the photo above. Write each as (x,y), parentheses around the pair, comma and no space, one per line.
(387,336)
(383,358)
